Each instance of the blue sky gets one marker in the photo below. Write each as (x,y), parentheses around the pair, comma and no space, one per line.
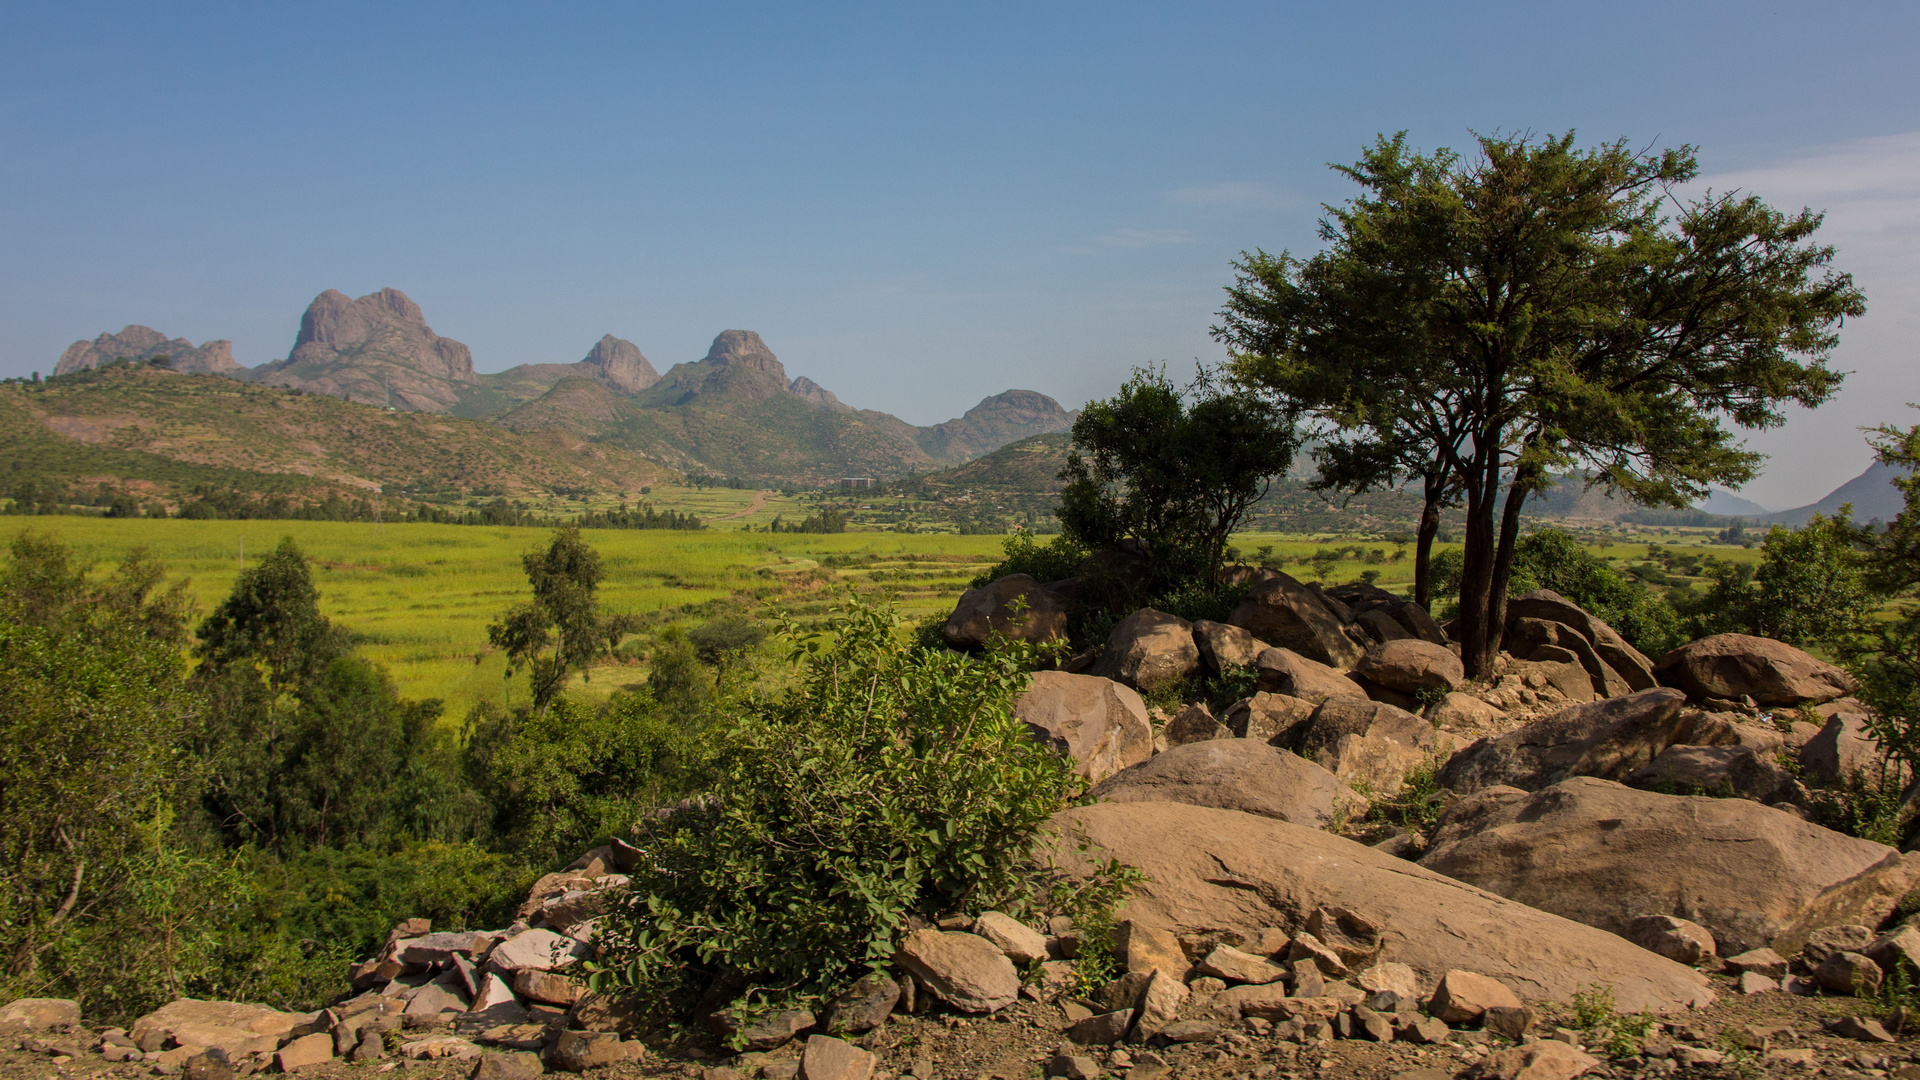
(916,205)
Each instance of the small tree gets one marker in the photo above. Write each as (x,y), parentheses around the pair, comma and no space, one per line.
(1810,587)
(1888,660)
(563,616)
(1535,311)
(1174,471)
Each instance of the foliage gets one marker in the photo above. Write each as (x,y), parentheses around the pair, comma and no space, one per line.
(1092,901)
(891,781)
(1054,560)
(1553,559)
(1887,660)
(1174,471)
(1809,589)
(724,643)
(562,780)
(1535,311)
(303,743)
(564,614)
(91,722)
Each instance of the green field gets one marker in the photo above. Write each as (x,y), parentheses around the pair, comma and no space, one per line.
(418,597)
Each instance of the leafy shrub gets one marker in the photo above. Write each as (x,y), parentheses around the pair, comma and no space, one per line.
(1809,589)
(563,780)
(891,781)
(1058,558)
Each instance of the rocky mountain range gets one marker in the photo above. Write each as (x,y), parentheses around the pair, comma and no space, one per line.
(735,411)
(141,344)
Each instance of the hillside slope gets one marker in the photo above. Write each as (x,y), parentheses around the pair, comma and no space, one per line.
(158,433)
(1871,494)
(736,412)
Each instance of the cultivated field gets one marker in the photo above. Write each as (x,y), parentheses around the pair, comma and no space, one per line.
(419,597)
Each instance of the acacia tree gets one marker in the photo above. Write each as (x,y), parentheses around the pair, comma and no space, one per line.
(563,616)
(1537,310)
(1176,472)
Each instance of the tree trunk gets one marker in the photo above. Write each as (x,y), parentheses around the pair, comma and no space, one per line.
(1476,579)
(1423,544)
(1503,568)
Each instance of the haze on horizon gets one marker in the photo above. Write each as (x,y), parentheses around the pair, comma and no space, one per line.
(914,207)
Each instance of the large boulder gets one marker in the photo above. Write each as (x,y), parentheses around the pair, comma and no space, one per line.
(1727,771)
(1732,666)
(966,971)
(1611,738)
(1844,746)
(1234,774)
(1285,613)
(1367,744)
(1283,671)
(1625,660)
(1211,873)
(1269,718)
(1604,854)
(1015,606)
(1410,666)
(1149,649)
(1223,645)
(1099,723)
(1539,639)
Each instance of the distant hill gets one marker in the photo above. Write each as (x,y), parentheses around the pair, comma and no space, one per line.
(141,344)
(1030,466)
(736,412)
(733,412)
(157,433)
(1872,494)
(1728,504)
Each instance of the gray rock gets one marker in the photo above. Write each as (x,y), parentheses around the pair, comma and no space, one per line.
(1101,724)
(1620,657)
(1411,665)
(377,350)
(1194,724)
(1224,646)
(1283,671)
(1733,666)
(1021,943)
(579,1051)
(1610,739)
(1015,607)
(1285,613)
(512,1065)
(1234,774)
(1149,649)
(863,1006)
(1849,973)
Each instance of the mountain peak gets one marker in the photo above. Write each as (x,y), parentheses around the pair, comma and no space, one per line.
(744,349)
(620,364)
(143,343)
(377,350)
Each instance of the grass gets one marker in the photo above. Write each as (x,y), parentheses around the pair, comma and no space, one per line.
(419,597)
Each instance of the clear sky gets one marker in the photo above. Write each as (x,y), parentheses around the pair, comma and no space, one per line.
(915,204)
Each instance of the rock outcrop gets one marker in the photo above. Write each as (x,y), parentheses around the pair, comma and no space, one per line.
(377,350)
(1604,854)
(1217,873)
(1282,612)
(1101,724)
(1149,649)
(1772,673)
(1234,774)
(141,344)
(1612,738)
(1014,606)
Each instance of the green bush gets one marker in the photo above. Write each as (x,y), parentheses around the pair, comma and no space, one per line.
(1553,559)
(1809,589)
(563,780)
(1058,558)
(891,781)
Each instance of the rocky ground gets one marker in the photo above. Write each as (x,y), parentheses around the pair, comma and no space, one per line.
(1549,908)
(1772,1035)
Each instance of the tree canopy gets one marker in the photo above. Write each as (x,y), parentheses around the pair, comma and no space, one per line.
(1174,471)
(1537,309)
